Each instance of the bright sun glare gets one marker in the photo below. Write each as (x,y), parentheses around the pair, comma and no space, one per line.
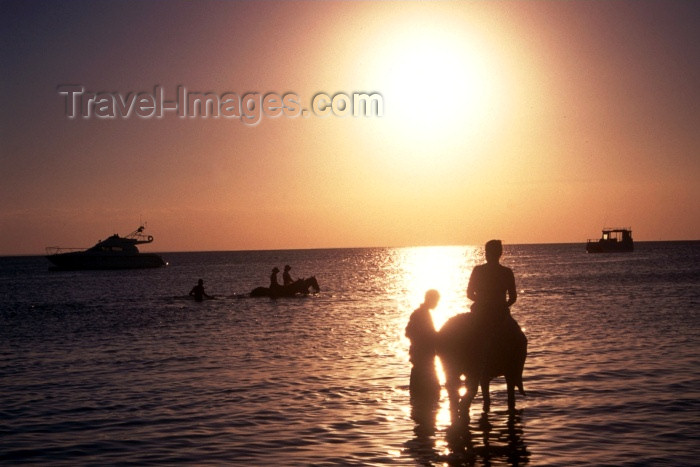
(439,85)
(446,269)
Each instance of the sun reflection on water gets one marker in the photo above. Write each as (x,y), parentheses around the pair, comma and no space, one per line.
(444,268)
(447,270)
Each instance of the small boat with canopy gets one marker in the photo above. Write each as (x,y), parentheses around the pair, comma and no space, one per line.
(612,241)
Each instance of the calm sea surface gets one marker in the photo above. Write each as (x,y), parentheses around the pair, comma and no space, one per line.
(121,367)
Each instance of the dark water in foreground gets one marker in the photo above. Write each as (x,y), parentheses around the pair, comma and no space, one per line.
(120,367)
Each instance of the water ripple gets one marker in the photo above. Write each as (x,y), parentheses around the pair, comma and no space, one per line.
(91,377)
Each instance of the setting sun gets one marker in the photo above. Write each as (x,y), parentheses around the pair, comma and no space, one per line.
(441,86)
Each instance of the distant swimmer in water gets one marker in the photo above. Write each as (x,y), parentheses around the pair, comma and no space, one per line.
(424,382)
(198,291)
(286,277)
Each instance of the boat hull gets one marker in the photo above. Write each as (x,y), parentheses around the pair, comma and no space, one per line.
(78,261)
(595,247)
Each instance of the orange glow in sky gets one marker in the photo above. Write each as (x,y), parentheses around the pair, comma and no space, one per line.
(533,122)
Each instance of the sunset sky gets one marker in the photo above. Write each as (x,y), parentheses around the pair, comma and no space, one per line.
(533,122)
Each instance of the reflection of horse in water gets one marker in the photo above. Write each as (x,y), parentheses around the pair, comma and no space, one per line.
(300,287)
(465,349)
(501,441)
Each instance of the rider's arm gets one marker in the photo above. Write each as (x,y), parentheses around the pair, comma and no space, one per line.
(471,293)
(512,292)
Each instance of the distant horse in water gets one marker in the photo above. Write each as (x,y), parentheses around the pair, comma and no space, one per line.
(465,350)
(300,287)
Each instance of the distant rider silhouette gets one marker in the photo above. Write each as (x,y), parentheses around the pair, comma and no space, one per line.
(274,282)
(286,277)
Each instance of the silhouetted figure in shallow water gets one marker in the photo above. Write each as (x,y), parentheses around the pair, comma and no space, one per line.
(424,384)
(198,291)
(286,277)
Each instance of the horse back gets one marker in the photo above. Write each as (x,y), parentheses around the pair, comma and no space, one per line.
(462,344)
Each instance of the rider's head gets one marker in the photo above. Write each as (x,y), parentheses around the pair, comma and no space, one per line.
(431,298)
(493,250)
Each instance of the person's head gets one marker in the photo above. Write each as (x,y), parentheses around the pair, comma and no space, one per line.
(200,282)
(287,267)
(432,297)
(275,270)
(493,251)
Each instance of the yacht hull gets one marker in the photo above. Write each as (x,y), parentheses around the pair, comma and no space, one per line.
(77,261)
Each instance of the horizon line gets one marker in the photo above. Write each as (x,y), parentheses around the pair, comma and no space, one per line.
(254,250)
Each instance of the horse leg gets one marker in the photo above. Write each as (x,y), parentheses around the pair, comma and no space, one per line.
(511,394)
(472,389)
(486,394)
(452,385)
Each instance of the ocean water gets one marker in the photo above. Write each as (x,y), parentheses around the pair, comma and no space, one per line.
(121,367)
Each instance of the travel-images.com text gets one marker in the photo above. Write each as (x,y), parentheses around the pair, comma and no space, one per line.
(250,107)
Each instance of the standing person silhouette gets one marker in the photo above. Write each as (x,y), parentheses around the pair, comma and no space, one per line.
(424,384)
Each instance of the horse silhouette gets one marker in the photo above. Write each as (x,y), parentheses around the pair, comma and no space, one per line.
(300,287)
(465,349)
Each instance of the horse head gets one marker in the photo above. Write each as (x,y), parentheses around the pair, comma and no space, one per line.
(312,282)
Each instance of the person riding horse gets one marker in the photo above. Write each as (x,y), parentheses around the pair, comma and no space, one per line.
(492,288)
(274,282)
(286,277)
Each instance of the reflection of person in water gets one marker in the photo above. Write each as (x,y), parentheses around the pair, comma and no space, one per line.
(286,277)
(421,331)
(492,288)
(274,283)
(198,291)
